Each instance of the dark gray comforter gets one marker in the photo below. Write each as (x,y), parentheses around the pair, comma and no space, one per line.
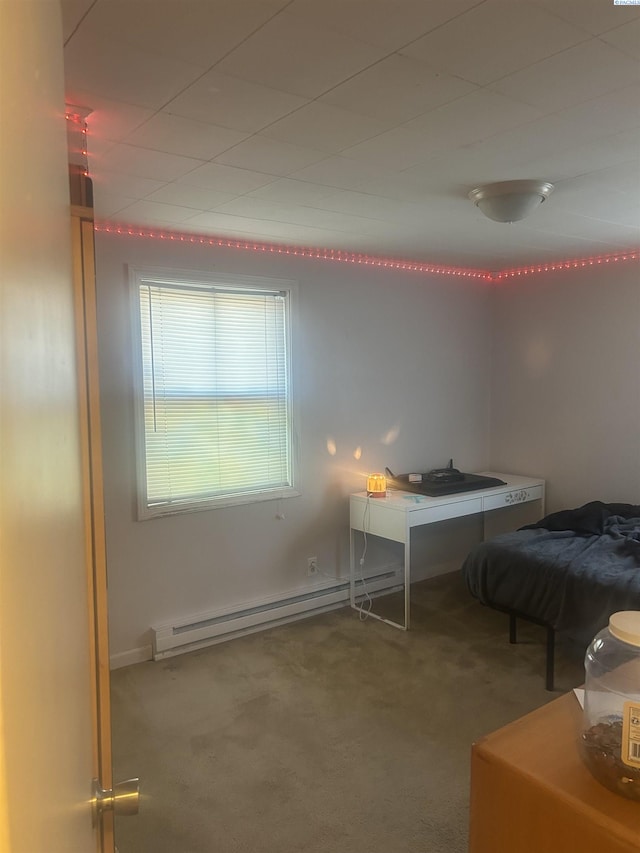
(571,570)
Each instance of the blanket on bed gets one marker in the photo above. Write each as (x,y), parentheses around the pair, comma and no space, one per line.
(570,570)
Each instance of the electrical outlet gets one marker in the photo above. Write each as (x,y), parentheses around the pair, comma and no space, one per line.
(312,565)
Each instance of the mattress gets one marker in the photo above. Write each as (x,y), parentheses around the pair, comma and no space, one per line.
(571,570)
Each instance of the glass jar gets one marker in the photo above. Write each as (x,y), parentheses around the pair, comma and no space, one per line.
(610,735)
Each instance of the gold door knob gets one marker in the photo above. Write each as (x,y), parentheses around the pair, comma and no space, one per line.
(123,799)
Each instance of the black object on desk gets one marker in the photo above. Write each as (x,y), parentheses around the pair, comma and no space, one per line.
(441,481)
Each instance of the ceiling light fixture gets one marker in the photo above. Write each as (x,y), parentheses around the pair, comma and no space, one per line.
(510,201)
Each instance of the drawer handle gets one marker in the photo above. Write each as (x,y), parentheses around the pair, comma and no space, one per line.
(518,497)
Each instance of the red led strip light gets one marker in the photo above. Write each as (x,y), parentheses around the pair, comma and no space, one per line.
(576,263)
(298,251)
(76,118)
(363,260)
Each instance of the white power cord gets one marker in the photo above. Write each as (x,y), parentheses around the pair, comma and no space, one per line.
(367,603)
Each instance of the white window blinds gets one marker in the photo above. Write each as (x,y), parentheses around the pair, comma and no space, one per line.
(216,405)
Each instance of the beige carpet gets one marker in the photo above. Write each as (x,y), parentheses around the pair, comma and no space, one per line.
(330,734)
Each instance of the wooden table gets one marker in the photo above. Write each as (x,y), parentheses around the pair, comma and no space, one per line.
(530,792)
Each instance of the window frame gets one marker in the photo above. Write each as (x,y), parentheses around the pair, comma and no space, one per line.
(140,276)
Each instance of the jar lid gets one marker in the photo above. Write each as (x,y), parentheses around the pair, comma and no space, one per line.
(625,626)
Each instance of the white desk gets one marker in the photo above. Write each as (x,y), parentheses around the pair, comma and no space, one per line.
(393,518)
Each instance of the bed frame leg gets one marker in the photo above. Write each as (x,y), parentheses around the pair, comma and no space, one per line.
(551,642)
(551,648)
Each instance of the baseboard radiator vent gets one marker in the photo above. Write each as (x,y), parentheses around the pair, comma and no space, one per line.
(216,627)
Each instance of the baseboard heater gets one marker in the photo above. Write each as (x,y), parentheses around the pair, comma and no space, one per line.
(217,626)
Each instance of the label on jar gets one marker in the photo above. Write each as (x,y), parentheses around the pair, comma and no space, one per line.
(631,734)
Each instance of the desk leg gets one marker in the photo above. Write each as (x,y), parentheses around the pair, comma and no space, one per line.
(366,613)
(407,582)
(352,568)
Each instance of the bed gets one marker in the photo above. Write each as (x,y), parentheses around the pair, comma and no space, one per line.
(568,572)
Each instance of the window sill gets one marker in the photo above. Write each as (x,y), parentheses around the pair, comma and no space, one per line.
(162,510)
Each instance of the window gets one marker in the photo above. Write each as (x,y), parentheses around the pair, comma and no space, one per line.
(214,402)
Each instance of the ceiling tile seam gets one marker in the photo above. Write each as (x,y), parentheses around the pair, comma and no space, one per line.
(478,87)
(312,206)
(556,14)
(422,34)
(338,152)
(395,51)
(488,85)
(355,74)
(79,23)
(242,216)
(567,20)
(223,57)
(611,46)
(317,206)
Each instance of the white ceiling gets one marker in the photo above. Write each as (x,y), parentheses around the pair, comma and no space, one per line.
(362,125)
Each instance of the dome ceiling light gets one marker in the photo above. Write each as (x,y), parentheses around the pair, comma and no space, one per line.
(510,201)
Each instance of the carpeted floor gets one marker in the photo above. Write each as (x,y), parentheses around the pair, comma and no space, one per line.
(329,735)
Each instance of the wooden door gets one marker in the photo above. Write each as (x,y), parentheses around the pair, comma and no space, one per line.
(46,684)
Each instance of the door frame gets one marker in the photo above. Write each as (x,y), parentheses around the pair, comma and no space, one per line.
(83,252)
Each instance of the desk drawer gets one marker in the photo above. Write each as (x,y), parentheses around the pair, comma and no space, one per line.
(439,513)
(515,496)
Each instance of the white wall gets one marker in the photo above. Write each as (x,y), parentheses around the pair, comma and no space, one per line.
(566,382)
(426,375)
